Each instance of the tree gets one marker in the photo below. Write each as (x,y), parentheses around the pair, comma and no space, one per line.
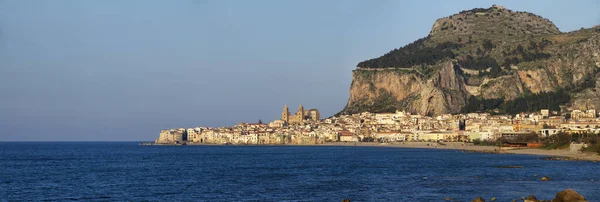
(531,137)
(495,72)
(545,126)
(532,45)
(368,139)
(520,49)
(487,45)
(556,141)
(413,54)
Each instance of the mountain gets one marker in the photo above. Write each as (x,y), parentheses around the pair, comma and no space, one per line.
(493,59)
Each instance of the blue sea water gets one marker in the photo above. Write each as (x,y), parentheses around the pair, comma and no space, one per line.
(125,171)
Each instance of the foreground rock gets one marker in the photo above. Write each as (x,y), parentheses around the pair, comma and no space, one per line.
(478,199)
(531,199)
(569,195)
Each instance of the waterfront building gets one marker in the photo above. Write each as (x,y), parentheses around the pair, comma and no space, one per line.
(170,137)
(305,127)
(347,136)
(549,132)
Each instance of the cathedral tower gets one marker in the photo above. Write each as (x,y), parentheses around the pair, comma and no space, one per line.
(300,112)
(285,115)
(299,116)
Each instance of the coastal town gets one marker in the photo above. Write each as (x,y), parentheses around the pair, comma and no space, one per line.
(305,127)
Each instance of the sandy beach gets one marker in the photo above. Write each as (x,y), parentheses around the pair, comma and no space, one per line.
(555,154)
(559,154)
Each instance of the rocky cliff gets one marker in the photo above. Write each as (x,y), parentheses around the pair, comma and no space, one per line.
(476,56)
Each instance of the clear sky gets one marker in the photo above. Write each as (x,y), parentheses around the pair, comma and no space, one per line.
(124,70)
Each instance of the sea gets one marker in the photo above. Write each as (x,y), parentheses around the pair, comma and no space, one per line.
(126,171)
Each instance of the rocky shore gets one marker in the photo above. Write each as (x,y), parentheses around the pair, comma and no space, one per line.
(568,195)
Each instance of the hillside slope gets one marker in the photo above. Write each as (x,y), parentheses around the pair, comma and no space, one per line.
(490,59)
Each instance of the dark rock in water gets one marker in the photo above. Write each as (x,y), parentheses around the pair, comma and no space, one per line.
(493,199)
(559,158)
(346,200)
(509,166)
(568,195)
(545,178)
(478,199)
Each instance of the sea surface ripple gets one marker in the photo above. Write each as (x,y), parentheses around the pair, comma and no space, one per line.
(125,171)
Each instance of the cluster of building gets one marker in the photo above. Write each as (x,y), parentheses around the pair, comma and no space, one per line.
(306,127)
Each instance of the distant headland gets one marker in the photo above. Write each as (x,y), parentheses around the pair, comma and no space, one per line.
(485,76)
(483,60)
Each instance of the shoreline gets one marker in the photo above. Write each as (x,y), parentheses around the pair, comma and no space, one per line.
(556,154)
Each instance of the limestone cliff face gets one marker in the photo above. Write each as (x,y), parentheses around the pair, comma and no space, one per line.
(376,83)
(390,89)
(377,90)
(492,53)
(444,93)
(507,87)
(539,80)
(588,98)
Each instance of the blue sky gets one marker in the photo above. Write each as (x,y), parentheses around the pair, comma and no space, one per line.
(122,70)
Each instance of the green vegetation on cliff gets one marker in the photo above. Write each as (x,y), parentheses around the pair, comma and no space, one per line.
(384,103)
(537,102)
(412,54)
(527,103)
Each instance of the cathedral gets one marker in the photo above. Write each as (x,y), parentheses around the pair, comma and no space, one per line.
(301,116)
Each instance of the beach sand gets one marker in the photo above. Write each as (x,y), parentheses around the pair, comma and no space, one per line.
(558,154)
